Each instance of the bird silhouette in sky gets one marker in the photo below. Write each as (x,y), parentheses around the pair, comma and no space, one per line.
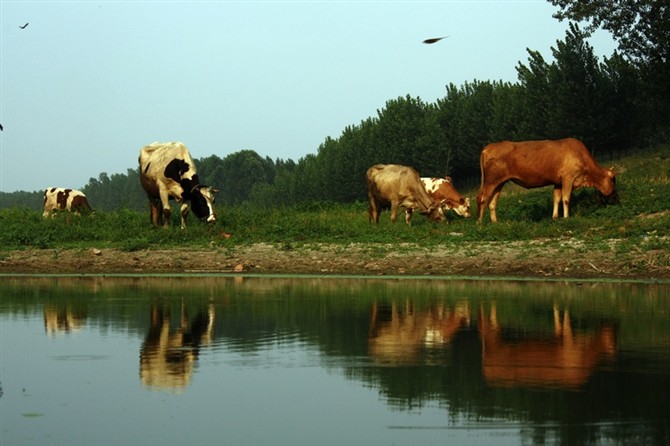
(434,39)
(1,128)
(24,26)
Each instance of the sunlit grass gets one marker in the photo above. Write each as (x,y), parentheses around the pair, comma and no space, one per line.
(524,215)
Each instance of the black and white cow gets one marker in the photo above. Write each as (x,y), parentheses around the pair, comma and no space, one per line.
(167,171)
(58,198)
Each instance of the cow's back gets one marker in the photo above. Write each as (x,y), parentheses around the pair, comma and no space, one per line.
(529,152)
(393,181)
(165,165)
(533,163)
(155,157)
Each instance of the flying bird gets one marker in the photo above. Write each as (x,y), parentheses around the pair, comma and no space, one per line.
(1,128)
(434,39)
(24,26)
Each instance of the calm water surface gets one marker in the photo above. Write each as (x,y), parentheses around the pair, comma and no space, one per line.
(318,361)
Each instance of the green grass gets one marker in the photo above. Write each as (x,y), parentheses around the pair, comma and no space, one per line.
(643,184)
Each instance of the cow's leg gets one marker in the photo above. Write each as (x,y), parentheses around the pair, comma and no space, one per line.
(567,190)
(494,202)
(394,211)
(373,209)
(557,199)
(155,211)
(484,200)
(165,203)
(184,214)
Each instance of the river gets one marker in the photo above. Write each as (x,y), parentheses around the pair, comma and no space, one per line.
(220,360)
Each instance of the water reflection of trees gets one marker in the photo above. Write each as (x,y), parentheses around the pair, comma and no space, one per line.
(425,341)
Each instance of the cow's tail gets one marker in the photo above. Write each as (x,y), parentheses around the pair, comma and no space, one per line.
(481,170)
(482,178)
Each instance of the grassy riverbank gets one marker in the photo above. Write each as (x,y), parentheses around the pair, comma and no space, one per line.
(635,233)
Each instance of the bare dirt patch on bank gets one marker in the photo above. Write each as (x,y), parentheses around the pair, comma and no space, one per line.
(535,259)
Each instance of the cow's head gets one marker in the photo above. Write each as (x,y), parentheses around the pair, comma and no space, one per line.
(202,203)
(434,212)
(461,207)
(607,192)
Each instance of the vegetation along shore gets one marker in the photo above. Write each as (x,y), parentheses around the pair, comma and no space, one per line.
(630,240)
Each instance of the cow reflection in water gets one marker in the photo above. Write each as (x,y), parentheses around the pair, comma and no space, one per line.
(62,320)
(567,360)
(169,354)
(399,334)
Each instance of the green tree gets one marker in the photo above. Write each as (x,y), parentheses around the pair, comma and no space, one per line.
(210,171)
(240,171)
(465,116)
(578,96)
(641,27)
(642,30)
(536,96)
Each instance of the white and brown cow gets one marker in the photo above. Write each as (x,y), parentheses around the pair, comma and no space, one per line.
(61,199)
(167,171)
(396,185)
(443,192)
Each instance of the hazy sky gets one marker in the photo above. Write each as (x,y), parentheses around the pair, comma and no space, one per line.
(88,83)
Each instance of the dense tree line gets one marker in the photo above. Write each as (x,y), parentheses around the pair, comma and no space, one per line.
(613,104)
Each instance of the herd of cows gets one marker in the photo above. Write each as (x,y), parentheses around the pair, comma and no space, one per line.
(167,172)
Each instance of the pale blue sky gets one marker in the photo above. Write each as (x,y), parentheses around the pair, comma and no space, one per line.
(88,83)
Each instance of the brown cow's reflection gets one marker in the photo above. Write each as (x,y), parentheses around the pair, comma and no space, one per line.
(399,333)
(567,360)
(168,354)
(62,320)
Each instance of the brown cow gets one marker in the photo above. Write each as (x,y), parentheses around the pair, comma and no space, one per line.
(566,361)
(566,164)
(443,192)
(398,186)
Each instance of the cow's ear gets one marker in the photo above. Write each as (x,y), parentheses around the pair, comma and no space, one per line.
(610,172)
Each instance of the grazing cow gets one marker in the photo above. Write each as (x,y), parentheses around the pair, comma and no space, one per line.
(398,186)
(443,192)
(565,361)
(58,198)
(167,171)
(566,164)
